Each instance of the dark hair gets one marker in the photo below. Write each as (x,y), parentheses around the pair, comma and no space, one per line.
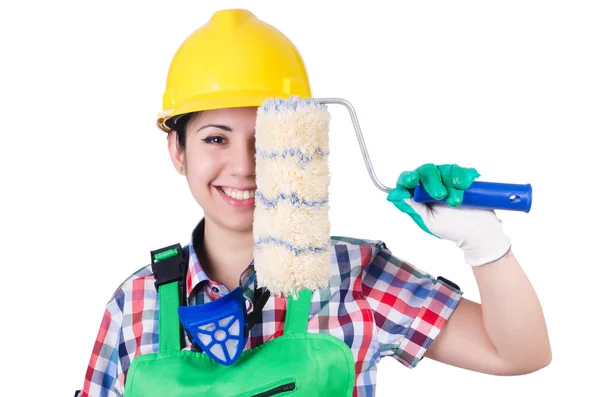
(180,124)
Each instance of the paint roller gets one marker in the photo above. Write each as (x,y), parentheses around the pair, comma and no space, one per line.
(291,224)
(489,195)
(291,215)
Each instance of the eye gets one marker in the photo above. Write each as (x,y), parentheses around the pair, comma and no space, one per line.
(213,140)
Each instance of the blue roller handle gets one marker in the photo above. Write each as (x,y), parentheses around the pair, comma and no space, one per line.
(490,195)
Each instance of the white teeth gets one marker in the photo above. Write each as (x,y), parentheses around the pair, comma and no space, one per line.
(238,194)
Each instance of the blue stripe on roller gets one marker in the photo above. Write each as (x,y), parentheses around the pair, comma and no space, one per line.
(293,103)
(297,154)
(292,198)
(296,250)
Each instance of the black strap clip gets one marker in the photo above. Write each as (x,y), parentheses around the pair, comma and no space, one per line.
(261,296)
(168,265)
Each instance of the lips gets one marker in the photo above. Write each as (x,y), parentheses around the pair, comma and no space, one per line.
(238,194)
(238,198)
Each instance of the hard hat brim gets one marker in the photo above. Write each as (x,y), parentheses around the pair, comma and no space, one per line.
(221,100)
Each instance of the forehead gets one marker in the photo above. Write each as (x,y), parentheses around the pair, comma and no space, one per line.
(233,117)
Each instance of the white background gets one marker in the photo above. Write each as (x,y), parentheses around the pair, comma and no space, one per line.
(511,88)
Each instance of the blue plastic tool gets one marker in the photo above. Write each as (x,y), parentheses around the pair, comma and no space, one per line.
(490,195)
(218,326)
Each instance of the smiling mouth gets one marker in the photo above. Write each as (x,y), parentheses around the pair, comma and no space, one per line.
(237,194)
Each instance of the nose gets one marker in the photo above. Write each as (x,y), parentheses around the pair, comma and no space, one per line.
(242,160)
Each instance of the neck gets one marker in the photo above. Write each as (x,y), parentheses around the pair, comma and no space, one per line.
(226,254)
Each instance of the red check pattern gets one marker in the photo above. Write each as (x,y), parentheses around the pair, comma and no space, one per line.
(378,304)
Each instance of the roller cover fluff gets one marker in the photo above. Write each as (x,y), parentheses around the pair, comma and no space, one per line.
(291,218)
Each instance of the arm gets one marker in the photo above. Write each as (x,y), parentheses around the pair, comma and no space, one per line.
(505,334)
(104,376)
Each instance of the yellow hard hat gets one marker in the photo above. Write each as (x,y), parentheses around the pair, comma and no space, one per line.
(234,60)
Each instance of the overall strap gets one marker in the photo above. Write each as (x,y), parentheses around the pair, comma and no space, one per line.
(298,310)
(169,266)
(169,335)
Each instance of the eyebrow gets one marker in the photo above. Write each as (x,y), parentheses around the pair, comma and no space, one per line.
(220,126)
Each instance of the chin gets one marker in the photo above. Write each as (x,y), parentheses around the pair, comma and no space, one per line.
(241,223)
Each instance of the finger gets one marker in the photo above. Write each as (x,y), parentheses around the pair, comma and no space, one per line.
(398,194)
(431,180)
(463,177)
(455,196)
(418,212)
(408,179)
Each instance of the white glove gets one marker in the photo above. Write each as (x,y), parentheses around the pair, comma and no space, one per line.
(478,232)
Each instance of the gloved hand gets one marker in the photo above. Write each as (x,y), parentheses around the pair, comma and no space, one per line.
(478,232)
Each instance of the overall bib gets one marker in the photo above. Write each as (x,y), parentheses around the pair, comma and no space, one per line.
(297,363)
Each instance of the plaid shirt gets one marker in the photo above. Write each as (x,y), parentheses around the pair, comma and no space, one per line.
(376,303)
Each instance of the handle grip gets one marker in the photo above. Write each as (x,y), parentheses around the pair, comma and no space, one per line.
(490,195)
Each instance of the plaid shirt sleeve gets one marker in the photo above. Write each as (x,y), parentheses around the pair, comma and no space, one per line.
(104,376)
(410,307)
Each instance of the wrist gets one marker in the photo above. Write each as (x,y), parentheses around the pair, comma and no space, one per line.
(486,245)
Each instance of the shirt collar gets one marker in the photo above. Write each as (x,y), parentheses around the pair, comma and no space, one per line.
(196,274)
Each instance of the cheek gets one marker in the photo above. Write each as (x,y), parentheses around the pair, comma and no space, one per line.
(203,168)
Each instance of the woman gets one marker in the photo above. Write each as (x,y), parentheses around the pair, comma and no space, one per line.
(376,305)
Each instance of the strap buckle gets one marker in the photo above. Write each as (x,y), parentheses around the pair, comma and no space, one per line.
(168,265)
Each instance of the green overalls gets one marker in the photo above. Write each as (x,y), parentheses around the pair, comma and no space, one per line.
(297,363)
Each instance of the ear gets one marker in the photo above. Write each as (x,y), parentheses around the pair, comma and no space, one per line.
(176,152)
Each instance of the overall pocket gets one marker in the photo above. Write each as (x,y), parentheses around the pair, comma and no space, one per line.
(277,390)
(284,386)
